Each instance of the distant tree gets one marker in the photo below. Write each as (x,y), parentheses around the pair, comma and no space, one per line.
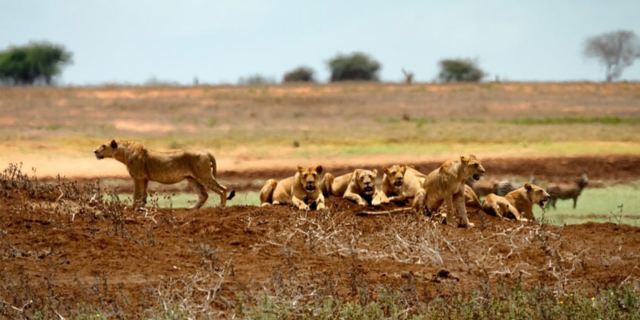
(616,50)
(460,70)
(36,62)
(299,74)
(356,66)
(256,79)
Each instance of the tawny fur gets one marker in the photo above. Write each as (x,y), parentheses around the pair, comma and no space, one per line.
(500,206)
(401,182)
(302,190)
(446,185)
(168,167)
(358,186)
(525,197)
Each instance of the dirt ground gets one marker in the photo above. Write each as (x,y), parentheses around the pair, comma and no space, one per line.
(71,250)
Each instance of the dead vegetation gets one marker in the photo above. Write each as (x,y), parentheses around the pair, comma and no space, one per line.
(68,250)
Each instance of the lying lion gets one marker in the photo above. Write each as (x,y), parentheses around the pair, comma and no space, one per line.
(525,197)
(144,165)
(446,185)
(518,202)
(500,206)
(358,186)
(301,190)
(401,182)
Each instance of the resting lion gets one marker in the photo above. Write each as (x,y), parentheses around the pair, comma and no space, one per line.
(500,206)
(446,185)
(401,182)
(525,197)
(302,190)
(358,186)
(144,165)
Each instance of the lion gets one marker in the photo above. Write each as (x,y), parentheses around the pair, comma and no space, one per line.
(401,182)
(525,197)
(169,167)
(302,190)
(501,207)
(358,186)
(446,185)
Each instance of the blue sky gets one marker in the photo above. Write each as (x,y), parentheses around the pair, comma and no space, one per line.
(220,41)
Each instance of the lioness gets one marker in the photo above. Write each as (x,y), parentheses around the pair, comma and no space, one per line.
(446,185)
(500,206)
(169,167)
(525,197)
(401,182)
(301,190)
(358,186)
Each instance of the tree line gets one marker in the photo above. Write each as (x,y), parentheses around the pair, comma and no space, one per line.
(41,62)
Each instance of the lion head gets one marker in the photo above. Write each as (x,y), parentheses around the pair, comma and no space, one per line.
(308,178)
(472,167)
(366,180)
(106,150)
(395,174)
(537,194)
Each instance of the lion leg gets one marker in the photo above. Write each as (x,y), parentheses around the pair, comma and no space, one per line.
(213,185)
(320,203)
(418,201)
(462,211)
(202,193)
(140,193)
(355,198)
(266,193)
(299,203)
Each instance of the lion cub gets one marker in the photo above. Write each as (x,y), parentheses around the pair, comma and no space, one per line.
(446,185)
(358,186)
(301,190)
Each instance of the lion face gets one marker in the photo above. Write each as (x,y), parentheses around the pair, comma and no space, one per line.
(395,174)
(472,167)
(366,181)
(537,194)
(106,150)
(308,178)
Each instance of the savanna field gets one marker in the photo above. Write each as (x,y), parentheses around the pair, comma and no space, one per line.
(71,247)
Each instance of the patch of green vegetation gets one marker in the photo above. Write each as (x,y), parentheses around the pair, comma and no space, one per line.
(617,204)
(573,120)
(188,199)
(212,122)
(53,127)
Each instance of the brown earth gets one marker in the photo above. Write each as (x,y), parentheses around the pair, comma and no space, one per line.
(71,249)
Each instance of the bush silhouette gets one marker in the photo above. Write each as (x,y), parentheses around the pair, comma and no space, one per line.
(36,62)
(356,66)
(300,74)
(460,70)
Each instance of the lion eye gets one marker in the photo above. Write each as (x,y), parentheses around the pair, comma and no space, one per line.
(476,165)
(104,146)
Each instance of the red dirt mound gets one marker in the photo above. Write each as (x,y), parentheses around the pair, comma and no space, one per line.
(75,251)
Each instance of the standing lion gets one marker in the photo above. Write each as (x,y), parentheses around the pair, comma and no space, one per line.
(168,167)
(446,185)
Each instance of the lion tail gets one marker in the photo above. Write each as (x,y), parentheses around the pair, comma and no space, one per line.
(266,193)
(325,184)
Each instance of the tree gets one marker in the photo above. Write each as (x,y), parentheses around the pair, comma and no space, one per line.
(256,79)
(356,66)
(36,62)
(460,70)
(616,50)
(299,74)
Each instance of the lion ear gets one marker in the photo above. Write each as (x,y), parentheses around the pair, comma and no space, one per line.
(300,169)
(114,144)
(375,172)
(464,159)
(385,169)
(528,186)
(319,169)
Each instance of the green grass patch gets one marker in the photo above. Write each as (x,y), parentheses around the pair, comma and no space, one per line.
(572,120)
(188,199)
(619,204)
